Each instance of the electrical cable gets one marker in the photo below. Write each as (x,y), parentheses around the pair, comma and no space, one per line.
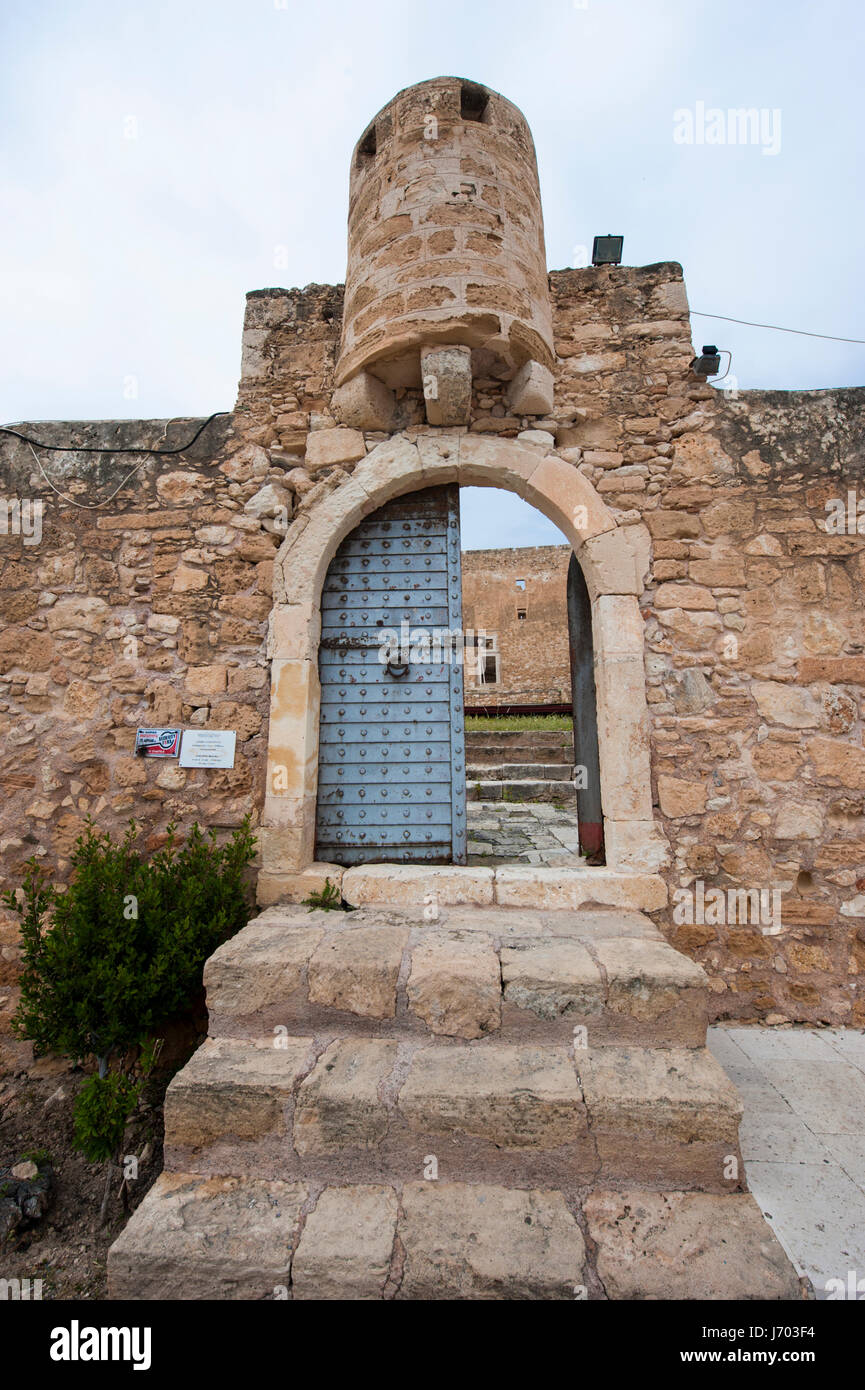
(722,376)
(85,506)
(83,449)
(125,449)
(801,332)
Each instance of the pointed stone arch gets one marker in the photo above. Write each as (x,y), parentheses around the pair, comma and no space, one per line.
(614,561)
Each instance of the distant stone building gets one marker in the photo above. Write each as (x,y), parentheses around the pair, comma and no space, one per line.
(515,606)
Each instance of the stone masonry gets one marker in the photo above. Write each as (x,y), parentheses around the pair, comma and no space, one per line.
(487,1081)
(495,1104)
(534,661)
(756,757)
(149,595)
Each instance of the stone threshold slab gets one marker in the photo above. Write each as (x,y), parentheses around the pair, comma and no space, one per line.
(529,886)
(450,885)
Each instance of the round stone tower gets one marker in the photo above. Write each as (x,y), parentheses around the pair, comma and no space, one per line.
(447,276)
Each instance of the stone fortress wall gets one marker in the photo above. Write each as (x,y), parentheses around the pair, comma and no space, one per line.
(154,605)
(534,666)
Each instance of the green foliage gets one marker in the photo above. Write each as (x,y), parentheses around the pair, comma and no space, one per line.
(327,899)
(102,1109)
(41,1157)
(119,951)
(109,958)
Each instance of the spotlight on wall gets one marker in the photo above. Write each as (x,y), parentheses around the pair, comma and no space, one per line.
(709,363)
(607,250)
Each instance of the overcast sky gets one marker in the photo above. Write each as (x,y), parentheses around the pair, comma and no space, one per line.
(159,160)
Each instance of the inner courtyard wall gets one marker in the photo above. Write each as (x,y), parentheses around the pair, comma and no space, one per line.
(533,666)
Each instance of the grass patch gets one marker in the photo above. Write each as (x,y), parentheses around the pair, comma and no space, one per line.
(548,722)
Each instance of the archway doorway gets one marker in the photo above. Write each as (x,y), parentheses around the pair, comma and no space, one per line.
(614,561)
(526,772)
(405,648)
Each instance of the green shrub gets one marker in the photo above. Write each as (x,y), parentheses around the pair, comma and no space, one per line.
(113,956)
(102,1109)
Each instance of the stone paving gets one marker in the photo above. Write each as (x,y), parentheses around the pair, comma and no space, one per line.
(524,832)
(803,1141)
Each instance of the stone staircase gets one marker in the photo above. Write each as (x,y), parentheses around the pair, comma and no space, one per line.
(520,765)
(500,1103)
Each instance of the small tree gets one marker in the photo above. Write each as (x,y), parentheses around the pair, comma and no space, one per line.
(113,956)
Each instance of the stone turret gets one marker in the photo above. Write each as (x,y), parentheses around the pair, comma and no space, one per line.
(446,277)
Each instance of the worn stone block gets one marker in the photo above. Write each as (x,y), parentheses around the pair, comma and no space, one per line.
(641,1099)
(297,887)
(679,797)
(446,373)
(261,965)
(206,680)
(636,845)
(232,1088)
(483,1242)
(455,984)
(553,979)
(339,1105)
(687,1245)
(511,1096)
(403,885)
(838,761)
(207,1238)
(581,512)
(572,888)
(531,391)
(346,1246)
(357,969)
(648,979)
(616,562)
(326,448)
(364,403)
(785,704)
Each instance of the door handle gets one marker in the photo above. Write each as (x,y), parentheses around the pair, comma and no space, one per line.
(397,669)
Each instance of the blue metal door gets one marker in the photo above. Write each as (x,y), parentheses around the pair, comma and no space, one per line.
(391,778)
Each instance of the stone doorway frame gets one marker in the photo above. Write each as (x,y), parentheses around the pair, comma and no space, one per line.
(614,560)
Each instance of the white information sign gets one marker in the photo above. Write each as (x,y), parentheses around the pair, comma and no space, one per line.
(207,748)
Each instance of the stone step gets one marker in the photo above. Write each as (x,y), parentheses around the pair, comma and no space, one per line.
(561,793)
(528,887)
(506,772)
(241,1238)
(308,1108)
(518,741)
(508,973)
(484,751)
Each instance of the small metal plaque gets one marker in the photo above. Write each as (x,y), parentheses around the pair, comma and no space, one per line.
(157,743)
(208,748)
